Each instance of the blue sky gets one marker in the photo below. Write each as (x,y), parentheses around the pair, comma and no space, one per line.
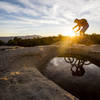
(46,17)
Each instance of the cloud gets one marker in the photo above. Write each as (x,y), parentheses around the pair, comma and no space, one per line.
(13,8)
(48,13)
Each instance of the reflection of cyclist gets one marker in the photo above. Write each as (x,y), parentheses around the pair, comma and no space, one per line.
(78,72)
(82,25)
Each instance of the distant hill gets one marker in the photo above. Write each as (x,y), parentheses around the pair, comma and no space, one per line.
(6,39)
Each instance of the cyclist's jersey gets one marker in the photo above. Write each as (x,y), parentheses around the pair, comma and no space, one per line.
(83,22)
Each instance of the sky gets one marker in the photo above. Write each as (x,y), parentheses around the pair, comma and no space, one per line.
(47,17)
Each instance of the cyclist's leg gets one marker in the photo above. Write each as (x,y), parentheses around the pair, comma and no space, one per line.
(82,32)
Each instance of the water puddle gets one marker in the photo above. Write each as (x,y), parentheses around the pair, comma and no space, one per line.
(80,77)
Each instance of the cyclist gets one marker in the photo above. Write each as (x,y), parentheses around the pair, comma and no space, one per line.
(82,25)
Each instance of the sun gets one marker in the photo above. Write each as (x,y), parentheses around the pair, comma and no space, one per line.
(70,33)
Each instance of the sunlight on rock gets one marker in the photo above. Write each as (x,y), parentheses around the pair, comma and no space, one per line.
(4,78)
(41,49)
(64,44)
(14,73)
(69,95)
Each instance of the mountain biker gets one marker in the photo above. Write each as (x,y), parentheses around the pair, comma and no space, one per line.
(82,25)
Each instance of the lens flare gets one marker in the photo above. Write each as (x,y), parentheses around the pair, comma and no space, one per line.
(70,33)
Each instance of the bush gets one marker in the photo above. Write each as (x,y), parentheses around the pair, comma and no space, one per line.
(1,42)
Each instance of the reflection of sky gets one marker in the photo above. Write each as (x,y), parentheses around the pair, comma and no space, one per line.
(58,65)
(46,17)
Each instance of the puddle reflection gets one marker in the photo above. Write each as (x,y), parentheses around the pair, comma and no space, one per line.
(79,76)
(77,68)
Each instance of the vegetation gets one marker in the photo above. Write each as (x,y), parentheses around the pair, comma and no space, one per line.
(86,39)
(1,42)
(34,41)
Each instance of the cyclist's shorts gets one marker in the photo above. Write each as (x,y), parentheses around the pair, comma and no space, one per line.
(84,28)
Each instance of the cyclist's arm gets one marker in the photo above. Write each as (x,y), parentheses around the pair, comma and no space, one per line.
(75,27)
(78,29)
